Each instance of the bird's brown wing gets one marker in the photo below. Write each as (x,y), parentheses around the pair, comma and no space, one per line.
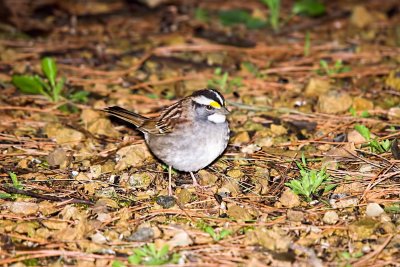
(165,123)
(138,120)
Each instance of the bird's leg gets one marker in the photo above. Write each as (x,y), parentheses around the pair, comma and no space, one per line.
(195,183)
(169,180)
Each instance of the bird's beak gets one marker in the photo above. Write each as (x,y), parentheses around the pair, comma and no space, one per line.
(223,111)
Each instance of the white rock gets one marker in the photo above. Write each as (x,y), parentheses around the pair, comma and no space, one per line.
(180,239)
(374,210)
(98,238)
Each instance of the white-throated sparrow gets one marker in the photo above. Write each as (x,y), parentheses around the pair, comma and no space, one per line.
(188,135)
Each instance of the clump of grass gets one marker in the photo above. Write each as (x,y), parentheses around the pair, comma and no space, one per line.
(311,183)
(374,144)
(49,86)
(150,255)
(274,7)
(311,8)
(336,68)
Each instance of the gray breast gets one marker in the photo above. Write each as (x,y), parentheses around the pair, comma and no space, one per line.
(194,148)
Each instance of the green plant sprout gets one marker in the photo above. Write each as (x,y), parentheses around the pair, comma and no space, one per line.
(149,255)
(363,114)
(16,184)
(311,8)
(374,144)
(310,182)
(34,84)
(217,235)
(338,67)
(222,82)
(274,7)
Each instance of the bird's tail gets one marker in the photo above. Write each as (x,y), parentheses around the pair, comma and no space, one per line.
(126,115)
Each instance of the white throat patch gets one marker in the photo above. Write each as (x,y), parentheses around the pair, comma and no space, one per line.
(217,118)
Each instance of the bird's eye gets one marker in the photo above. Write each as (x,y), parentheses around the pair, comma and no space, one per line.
(208,107)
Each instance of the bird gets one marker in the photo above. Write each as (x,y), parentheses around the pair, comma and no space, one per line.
(188,135)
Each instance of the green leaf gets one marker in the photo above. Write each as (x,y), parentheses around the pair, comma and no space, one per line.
(140,252)
(386,144)
(224,233)
(50,70)
(211,232)
(255,23)
(152,249)
(14,179)
(393,208)
(80,96)
(324,65)
(27,84)
(163,251)
(274,7)
(363,130)
(365,114)
(57,89)
(5,196)
(303,159)
(46,87)
(135,259)
(329,187)
(234,16)
(223,81)
(118,263)
(312,8)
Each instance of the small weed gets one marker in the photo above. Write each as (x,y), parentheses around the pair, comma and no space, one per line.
(363,114)
(34,84)
(79,97)
(311,182)
(149,255)
(346,256)
(217,235)
(374,144)
(338,67)
(16,184)
(274,7)
(223,82)
(311,8)
(393,208)
(117,263)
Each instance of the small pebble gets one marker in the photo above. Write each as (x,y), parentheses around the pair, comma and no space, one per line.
(142,235)
(165,201)
(330,217)
(374,210)
(295,215)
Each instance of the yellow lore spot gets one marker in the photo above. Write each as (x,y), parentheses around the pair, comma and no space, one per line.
(215,104)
